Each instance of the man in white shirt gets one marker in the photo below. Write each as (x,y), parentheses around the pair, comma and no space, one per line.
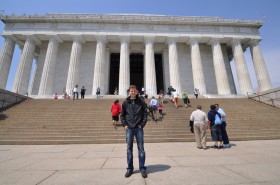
(75,92)
(154,106)
(200,122)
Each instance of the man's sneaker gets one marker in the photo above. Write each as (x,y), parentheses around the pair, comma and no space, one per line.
(227,145)
(144,174)
(128,173)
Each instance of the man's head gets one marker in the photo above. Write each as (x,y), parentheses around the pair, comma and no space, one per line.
(199,107)
(153,97)
(132,91)
(216,106)
(212,107)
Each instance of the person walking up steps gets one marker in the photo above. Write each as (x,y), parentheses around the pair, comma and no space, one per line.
(83,92)
(186,99)
(154,108)
(98,92)
(116,110)
(175,96)
(196,92)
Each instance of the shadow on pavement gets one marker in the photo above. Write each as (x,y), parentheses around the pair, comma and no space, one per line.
(155,168)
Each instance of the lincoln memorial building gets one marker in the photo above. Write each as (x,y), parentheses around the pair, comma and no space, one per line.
(113,51)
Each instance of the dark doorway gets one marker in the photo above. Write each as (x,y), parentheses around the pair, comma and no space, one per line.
(114,72)
(137,70)
(159,72)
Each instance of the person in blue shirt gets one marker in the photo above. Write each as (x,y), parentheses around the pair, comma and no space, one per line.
(154,106)
(226,143)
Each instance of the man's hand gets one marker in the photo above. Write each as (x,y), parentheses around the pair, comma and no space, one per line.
(142,125)
(125,127)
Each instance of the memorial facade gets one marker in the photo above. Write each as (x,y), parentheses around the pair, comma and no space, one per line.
(114,51)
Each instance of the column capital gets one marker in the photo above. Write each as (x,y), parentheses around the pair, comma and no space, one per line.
(235,41)
(124,38)
(172,40)
(149,39)
(19,42)
(194,40)
(55,37)
(254,42)
(34,40)
(10,38)
(101,38)
(215,40)
(78,38)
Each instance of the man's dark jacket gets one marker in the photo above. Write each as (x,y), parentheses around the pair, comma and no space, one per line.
(211,116)
(134,114)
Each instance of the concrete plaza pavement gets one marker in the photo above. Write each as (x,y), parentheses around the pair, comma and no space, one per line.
(246,162)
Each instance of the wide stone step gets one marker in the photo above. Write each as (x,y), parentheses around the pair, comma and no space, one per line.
(89,121)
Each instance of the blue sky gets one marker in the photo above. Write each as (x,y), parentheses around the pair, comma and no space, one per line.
(232,9)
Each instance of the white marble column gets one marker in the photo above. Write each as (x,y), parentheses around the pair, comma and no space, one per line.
(174,64)
(166,76)
(6,57)
(124,78)
(263,79)
(33,75)
(24,67)
(47,79)
(244,81)
(98,76)
(197,70)
(219,67)
(150,70)
(107,70)
(74,66)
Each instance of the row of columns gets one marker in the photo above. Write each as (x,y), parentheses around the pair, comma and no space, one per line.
(24,68)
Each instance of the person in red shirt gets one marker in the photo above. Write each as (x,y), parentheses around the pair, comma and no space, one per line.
(116,110)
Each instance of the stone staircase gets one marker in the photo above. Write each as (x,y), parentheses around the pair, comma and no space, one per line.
(89,121)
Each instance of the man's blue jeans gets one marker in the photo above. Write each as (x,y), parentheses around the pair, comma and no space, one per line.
(139,134)
(224,133)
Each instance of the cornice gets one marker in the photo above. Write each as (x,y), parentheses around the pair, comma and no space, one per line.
(128,19)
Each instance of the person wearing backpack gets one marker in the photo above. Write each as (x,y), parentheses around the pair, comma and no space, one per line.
(215,125)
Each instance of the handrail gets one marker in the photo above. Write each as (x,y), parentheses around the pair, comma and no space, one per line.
(8,98)
(262,97)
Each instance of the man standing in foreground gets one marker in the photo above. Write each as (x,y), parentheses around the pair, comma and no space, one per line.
(200,122)
(134,118)
(226,143)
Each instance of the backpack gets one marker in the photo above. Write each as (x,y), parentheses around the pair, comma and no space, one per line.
(218,120)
